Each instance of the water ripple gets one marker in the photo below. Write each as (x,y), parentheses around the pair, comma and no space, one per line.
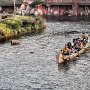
(33,64)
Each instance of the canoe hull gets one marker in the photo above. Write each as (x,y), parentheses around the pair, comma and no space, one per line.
(70,57)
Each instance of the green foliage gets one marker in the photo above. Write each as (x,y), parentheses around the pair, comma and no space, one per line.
(13,24)
(28,28)
(5,31)
(36,2)
(37,26)
(26,21)
(21,24)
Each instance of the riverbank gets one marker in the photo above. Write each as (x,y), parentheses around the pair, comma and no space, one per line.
(21,25)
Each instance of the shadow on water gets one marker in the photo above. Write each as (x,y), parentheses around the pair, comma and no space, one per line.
(65,33)
(23,35)
(65,66)
(53,18)
(34,33)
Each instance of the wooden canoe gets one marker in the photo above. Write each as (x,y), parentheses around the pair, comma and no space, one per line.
(62,58)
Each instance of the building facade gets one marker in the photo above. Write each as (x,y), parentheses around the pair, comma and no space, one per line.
(65,2)
(10,2)
(76,6)
(8,5)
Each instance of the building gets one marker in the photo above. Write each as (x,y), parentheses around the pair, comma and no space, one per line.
(10,2)
(8,5)
(74,5)
(60,5)
(67,2)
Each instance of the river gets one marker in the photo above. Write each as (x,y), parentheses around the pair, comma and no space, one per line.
(32,65)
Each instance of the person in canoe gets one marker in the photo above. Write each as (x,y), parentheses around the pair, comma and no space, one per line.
(85,39)
(80,43)
(77,44)
(72,50)
(69,45)
(85,36)
(66,50)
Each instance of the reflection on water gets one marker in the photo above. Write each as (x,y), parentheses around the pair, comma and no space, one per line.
(65,66)
(67,18)
(32,65)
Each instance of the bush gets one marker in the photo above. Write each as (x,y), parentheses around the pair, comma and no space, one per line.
(13,24)
(36,2)
(26,20)
(5,31)
(20,25)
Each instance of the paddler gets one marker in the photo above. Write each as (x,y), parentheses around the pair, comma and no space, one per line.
(66,50)
(69,45)
(84,36)
(81,44)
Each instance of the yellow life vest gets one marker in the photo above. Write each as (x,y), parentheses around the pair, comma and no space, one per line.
(65,50)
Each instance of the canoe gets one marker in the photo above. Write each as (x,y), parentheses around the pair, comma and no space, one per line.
(62,58)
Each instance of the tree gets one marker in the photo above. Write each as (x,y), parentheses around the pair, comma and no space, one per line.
(36,2)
